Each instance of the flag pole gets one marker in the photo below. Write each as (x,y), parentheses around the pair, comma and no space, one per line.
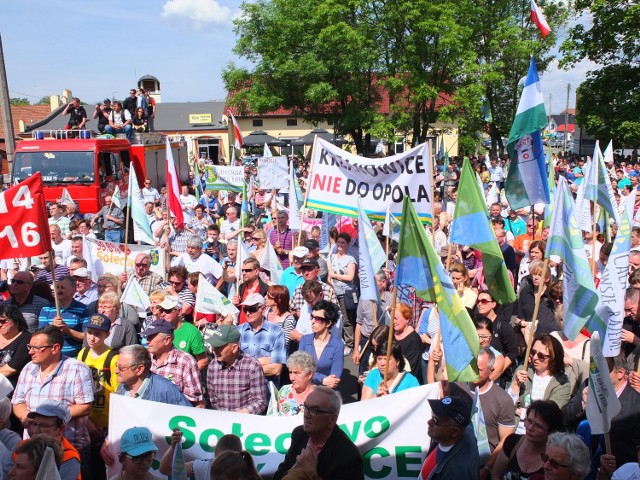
(390,338)
(306,193)
(126,236)
(52,260)
(534,319)
(432,182)
(593,238)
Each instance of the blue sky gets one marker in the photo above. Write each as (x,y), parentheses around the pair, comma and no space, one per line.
(98,48)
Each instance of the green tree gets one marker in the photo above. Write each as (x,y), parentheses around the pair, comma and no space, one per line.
(608,101)
(43,101)
(19,102)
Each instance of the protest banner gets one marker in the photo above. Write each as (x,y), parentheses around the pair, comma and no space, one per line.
(219,177)
(390,431)
(273,172)
(338,177)
(24,230)
(108,257)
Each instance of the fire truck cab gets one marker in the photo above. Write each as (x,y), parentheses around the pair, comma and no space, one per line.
(91,167)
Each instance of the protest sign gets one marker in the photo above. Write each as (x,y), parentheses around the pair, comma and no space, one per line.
(224,178)
(389,431)
(273,172)
(338,177)
(23,216)
(108,257)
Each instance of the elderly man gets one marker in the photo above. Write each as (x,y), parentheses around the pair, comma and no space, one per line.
(292,276)
(230,226)
(631,326)
(22,297)
(195,261)
(177,366)
(262,339)
(231,202)
(51,418)
(455,454)
(148,280)
(235,380)
(60,245)
(52,376)
(186,336)
(319,445)
(112,219)
(86,290)
(71,318)
(77,250)
(138,381)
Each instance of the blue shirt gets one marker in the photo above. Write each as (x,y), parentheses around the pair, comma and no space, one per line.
(268,341)
(331,361)
(159,389)
(291,280)
(73,315)
(375,377)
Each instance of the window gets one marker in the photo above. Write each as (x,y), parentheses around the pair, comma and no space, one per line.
(292,122)
(257,122)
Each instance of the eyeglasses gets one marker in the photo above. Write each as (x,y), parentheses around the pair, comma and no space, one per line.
(270,296)
(40,426)
(554,463)
(318,319)
(18,282)
(140,265)
(484,301)
(541,356)
(252,308)
(313,411)
(256,238)
(165,310)
(124,369)
(247,270)
(175,284)
(37,348)
(436,421)
(145,457)
(484,337)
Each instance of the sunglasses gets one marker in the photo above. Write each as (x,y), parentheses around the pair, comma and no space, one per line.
(164,310)
(541,356)
(554,463)
(247,270)
(140,265)
(252,308)
(484,301)
(318,319)
(18,282)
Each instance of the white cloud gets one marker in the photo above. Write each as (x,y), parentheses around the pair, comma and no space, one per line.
(197,12)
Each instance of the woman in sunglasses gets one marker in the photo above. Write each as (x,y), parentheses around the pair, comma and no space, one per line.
(545,378)
(397,378)
(522,454)
(325,348)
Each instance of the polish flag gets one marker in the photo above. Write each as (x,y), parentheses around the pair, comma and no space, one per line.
(237,133)
(537,17)
(173,188)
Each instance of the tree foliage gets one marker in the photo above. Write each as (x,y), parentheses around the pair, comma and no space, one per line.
(608,101)
(19,102)
(385,67)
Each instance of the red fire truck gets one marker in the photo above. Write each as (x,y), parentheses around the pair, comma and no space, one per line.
(91,167)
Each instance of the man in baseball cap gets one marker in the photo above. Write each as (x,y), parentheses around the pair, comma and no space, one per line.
(292,276)
(456,453)
(235,380)
(314,252)
(137,452)
(51,417)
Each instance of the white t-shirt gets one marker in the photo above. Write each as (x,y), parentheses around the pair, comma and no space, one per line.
(204,264)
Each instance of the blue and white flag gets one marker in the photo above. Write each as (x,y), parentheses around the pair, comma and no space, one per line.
(371,257)
(136,203)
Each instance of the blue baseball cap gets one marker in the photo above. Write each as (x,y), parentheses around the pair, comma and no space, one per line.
(137,441)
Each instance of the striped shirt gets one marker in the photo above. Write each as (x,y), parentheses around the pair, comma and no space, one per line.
(46,275)
(73,316)
(71,382)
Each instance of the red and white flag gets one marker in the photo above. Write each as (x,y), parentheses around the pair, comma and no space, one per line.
(24,228)
(537,17)
(173,188)
(237,133)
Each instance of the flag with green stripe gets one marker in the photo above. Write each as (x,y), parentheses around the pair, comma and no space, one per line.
(418,265)
(471,227)
(598,187)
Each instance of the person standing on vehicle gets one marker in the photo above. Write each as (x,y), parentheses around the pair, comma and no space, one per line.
(112,219)
(102,114)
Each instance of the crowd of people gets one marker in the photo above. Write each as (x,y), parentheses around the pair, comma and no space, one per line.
(284,352)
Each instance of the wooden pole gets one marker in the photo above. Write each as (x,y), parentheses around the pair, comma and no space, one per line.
(239,273)
(126,237)
(449,253)
(387,251)
(374,310)
(535,311)
(390,338)
(607,443)
(52,260)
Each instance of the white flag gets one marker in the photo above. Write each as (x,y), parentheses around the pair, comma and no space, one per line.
(178,467)
(48,469)
(135,296)
(602,401)
(267,151)
(210,300)
(66,199)
(115,197)
(136,203)
(371,256)
(583,206)
(271,262)
(391,227)
(294,206)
